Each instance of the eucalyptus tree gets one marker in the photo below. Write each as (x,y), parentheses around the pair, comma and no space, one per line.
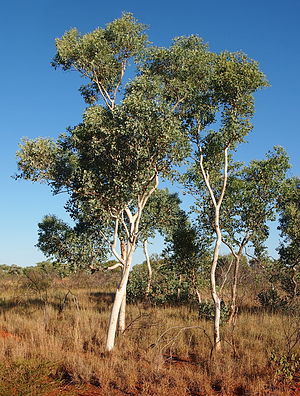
(289,226)
(129,136)
(211,91)
(237,79)
(110,163)
(248,206)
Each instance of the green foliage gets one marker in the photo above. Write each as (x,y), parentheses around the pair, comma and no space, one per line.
(254,194)
(187,251)
(289,225)
(165,285)
(111,159)
(137,284)
(7,270)
(286,366)
(271,300)
(162,213)
(206,311)
(80,247)
(171,284)
(250,201)
(101,55)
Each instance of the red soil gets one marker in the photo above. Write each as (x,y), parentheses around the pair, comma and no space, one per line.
(86,390)
(7,334)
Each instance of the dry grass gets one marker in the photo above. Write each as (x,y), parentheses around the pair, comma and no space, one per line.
(164,351)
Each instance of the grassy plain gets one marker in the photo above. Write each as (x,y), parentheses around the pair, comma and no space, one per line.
(52,343)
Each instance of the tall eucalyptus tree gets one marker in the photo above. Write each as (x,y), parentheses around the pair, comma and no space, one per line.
(110,163)
(130,136)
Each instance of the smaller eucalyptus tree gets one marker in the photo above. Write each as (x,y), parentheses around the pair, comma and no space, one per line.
(248,207)
(235,80)
(289,226)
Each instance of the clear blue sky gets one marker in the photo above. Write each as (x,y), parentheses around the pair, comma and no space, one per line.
(36,100)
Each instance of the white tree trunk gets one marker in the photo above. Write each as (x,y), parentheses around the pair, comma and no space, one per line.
(215,296)
(145,246)
(122,313)
(179,287)
(234,289)
(217,206)
(119,296)
(198,295)
(195,288)
(132,233)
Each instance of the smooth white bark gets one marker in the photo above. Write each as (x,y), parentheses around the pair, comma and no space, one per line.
(215,296)
(145,246)
(122,313)
(217,205)
(119,296)
(132,235)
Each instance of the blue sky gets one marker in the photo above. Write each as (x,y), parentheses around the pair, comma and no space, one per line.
(36,100)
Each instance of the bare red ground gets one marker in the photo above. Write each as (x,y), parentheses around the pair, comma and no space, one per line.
(86,390)
(69,390)
(89,390)
(7,334)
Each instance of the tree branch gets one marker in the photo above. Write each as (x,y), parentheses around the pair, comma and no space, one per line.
(114,243)
(115,266)
(206,178)
(225,176)
(118,85)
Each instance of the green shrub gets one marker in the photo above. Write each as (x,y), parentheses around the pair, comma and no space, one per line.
(271,300)
(206,311)
(286,366)
(166,287)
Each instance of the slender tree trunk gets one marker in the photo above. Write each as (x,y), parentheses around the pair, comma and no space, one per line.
(214,293)
(179,287)
(237,260)
(295,289)
(194,285)
(119,296)
(122,313)
(233,307)
(145,246)
(217,205)
(198,295)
